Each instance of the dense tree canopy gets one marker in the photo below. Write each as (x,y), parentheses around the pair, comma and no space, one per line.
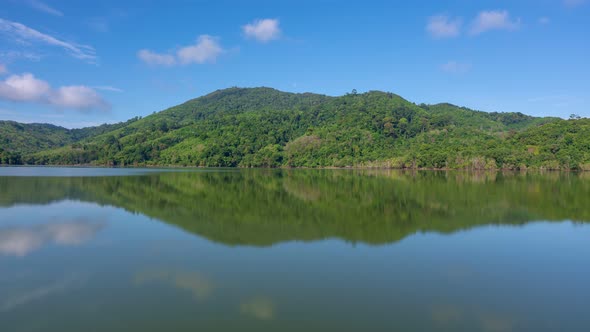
(263,127)
(24,138)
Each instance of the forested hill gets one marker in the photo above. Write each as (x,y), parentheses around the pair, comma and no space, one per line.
(25,138)
(263,127)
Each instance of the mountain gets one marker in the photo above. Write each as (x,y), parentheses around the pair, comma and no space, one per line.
(264,127)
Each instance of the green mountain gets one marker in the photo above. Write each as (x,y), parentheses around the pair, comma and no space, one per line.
(263,127)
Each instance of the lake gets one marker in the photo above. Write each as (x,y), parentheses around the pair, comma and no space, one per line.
(85,249)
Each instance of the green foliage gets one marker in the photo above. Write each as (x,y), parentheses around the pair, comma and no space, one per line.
(263,127)
(26,138)
(10,158)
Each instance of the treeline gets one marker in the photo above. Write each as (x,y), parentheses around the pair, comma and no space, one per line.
(263,127)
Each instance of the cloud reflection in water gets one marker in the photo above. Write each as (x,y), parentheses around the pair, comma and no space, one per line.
(22,240)
(262,308)
(192,281)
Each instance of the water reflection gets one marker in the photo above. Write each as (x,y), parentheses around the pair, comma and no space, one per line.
(264,207)
(452,317)
(260,307)
(459,268)
(447,315)
(37,293)
(495,323)
(194,282)
(22,240)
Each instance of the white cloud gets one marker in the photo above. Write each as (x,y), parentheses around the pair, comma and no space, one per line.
(38,5)
(27,88)
(455,67)
(493,20)
(153,58)
(442,26)
(77,97)
(206,49)
(263,30)
(23,87)
(3,69)
(21,33)
(544,20)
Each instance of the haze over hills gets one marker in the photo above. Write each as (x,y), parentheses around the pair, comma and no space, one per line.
(264,127)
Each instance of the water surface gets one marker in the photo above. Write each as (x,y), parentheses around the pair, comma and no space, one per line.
(292,250)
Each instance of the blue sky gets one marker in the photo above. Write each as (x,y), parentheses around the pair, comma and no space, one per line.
(77,63)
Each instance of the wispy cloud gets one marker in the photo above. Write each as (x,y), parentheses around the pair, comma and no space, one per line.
(454,67)
(27,88)
(21,33)
(493,20)
(3,69)
(206,50)
(544,20)
(263,30)
(99,24)
(574,3)
(40,6)
(108,88)
(103,23)
(10,56)
(443,26)
(152,58)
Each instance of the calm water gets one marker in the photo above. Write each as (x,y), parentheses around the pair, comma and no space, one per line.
(259,250)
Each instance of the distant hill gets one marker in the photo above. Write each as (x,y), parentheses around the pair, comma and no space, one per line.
(264,127)
(34,137)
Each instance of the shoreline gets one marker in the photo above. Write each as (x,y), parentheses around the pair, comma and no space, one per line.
(533,169)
